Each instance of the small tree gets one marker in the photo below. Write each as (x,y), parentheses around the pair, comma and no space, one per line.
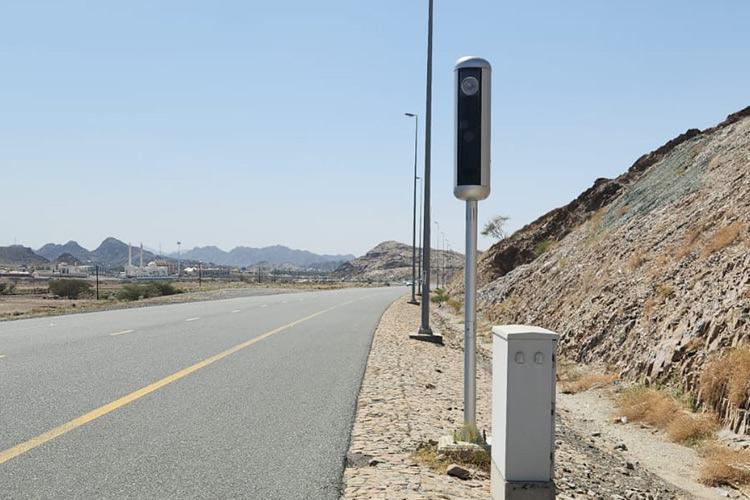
(495,227)
(68,288)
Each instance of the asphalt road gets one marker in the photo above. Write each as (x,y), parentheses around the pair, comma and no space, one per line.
(240,398)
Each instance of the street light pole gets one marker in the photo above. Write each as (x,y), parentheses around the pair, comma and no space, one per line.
(425,332)
(414,216)
(419,258)
(437,256)
(442,258)
(178,259)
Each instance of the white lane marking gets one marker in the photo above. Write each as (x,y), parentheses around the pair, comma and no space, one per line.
(2,356)
(122,332)
(192,319)
(235,311)
(264,305)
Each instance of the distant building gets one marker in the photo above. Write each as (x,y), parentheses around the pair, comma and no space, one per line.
(151,270)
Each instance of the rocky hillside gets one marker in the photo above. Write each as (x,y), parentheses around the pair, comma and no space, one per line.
(648,273)
(392,261)
(17,256)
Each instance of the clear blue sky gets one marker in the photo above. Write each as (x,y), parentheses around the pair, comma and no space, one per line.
(257,123)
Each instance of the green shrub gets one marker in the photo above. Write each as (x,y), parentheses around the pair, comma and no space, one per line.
(137,291)
(69,288)
(543,246)
(7,288)
(439,296)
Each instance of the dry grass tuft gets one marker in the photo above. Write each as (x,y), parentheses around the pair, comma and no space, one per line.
(503,311)
(456,305)
(428,455)
(585,382)
(647,405)
(695,344)
(689,429)
(663,291)
(722,239)
(688,243)
(622,211)
(722,465)
(727,376)
(636,260)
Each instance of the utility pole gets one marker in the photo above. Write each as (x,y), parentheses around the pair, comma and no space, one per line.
(425,332)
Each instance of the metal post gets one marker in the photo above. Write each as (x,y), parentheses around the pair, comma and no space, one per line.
(419,258)
(437,256)
(470,304)
(425,332)
(200,272)
(97,282)
(414,217)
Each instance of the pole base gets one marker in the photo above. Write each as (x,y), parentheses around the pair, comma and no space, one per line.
(427,337)
(413,301)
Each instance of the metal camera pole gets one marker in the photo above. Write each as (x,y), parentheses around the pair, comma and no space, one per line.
(472,183)
(470,313)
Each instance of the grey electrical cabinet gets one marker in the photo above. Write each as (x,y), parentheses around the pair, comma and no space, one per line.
(523,412)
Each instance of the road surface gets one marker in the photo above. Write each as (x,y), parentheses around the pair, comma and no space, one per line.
(240,398)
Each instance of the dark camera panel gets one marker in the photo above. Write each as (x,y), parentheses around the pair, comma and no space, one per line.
(469,144)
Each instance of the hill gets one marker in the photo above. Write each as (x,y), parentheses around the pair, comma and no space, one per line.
(17,256)
(647,274)
(277,254)
(114,253)
(52,251)
(392,261)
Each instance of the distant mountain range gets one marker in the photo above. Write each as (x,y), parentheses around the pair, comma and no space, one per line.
(248,256)
(114,253)
(111,253)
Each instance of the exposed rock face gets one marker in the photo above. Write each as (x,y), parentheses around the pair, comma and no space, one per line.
(392,261)
(648,273)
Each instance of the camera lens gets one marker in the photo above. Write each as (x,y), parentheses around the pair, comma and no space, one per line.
(470,85)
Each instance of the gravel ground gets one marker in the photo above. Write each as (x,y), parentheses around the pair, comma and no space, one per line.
(412,392)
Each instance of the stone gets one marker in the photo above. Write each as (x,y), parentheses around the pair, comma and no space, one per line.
(458,471)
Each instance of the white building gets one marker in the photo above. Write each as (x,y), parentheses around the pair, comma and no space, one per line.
(151,270)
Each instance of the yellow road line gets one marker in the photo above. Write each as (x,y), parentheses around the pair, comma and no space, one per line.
(122,332)
(32,443)
(192,319)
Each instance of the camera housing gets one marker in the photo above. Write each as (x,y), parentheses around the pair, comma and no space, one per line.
(471,172)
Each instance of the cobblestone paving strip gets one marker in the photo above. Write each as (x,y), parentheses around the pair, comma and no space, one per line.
(412,392)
